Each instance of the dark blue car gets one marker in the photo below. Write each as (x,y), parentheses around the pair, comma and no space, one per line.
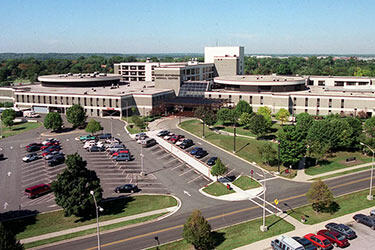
(195,150)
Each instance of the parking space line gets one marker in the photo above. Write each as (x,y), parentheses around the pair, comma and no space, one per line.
(230,171)
(195,179)
(191,169)
(177,166)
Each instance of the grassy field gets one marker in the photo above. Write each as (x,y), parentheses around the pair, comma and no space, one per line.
(217,189)
(55,221)
(243,131)
(240,234)
(338,162)
(342,173)
(134,129)
(348,204)
(246,148)
(91,231)
(245,183)
(20,128)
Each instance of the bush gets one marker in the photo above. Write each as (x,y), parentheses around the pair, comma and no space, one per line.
(139,122)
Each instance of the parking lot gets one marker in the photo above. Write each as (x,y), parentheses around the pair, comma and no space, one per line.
(365,239)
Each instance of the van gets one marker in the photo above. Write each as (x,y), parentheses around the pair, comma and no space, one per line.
(37,190)
(148,142)
(285,242)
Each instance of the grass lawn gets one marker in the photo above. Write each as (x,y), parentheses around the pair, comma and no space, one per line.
(239,130)
(55,221)
(20,128)
(342,173)
(90,231)
(134,129)
(240,234)
(217,189)
(247,148)
(245,183)
(338,162)
(348,204)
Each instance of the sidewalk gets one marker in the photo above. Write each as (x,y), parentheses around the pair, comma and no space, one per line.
(101,224)
(303,229)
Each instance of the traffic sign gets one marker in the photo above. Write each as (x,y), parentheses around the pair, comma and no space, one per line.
(276,201)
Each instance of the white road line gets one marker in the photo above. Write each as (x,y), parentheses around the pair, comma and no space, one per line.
(269,211)
(177,166)
(187,171)
(194,179)
(230,171)
(269,179)
(187,193)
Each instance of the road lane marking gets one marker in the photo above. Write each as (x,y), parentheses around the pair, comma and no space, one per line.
(186,172)
(195,178)
(187,193)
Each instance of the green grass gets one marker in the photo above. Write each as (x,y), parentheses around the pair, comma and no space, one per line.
(243,131)
(342,173)
(90,231)
(55,221)
(245,183)
(338,162)
(217,189)
(134,129)
(240,234)
(247,148)
(349,203)
(20,128)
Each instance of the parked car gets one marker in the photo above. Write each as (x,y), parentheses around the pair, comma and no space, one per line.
(285,242)
(87,138)
(49,144)
(139,135)
(2,157)
(175,138)
(95,148)
(49,156)
(180,141)
(212,161)
(56,160)
(37,190)
(30,157)
(33,148)
(343,229)
(200,154)
(115,148)
(34,144)
(307,245)
(168,136)
(52,148)
(142,138)
(89,144)
(372,212)
(195,150)
(105,136)
(365,220)
(163,133)
(337,239)
(319,241)
(121,151)
(127,188)
(122,157)
(49,140)
(186,144)
(148,142)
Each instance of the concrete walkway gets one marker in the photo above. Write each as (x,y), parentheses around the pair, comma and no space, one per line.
(304,229)
(101,224)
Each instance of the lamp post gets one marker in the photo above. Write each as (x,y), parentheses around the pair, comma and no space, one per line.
(263,227)
(278,157)
(234,138)
(97,218)
(370,197)
(142,173)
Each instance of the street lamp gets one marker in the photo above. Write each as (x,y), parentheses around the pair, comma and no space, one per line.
(142,173)
(263,227)
(370,197)
(97,217)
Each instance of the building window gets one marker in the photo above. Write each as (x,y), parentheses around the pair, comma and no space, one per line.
(251,99)
(27,98)
(44,99)
(240,97)
(294,101)
(342,103)
(219,96)
(230,97)
(329,111)
(38,98)
(79,100)
(321,83)
(209,96)
(317,112)
(97,102)
(104,102)
(261,100)
(84,101)
(50,100)
(110,102)
(339,83)
(306,102)
(318,102)
(330,103)
(90,101)
(55,99)
(116,103)
(23,98)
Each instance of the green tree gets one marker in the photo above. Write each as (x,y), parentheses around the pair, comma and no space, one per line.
(206,114)
(8,239)
(258,125)
(292,146)
(76,115)
(197,231)
(244,119)
(72,188)
(93,126)
(321,197)
(224,115)
(7,117)
(266,113)
(243,107)
(303,123)
(282,115)
(317,150)
(369,127)
(53,121)
(268,154)
(219,168)
(138,121)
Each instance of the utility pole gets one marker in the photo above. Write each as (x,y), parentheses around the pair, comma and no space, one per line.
(370,197)
(97,218)
(142,173)
(234,138)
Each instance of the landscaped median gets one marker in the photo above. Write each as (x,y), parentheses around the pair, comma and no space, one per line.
(217,189)
(19,128)
(246,183)
(239,235)
(114,211)
(348,203)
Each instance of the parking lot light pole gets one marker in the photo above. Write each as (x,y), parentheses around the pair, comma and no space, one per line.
(370,197)
(97,218)
(263,227)
(142,173)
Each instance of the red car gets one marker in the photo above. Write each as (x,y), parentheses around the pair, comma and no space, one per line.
(319,241)
(120,152)
(335,238)
(49,144)
(175,138)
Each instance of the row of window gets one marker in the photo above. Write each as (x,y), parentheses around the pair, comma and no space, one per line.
(318,102)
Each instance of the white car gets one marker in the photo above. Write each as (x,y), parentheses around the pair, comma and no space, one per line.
(89,144)
(30,157)
(52,154)
(49,140)
(100,144)
(137,136)
(142,138)
(179,142)
(167,137)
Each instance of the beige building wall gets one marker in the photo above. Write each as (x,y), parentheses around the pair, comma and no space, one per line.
(226,66)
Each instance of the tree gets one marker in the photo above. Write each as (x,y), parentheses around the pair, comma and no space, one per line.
(303,123)
(7,117)
(317,150)
(266,113)
(258,125)
(8,239)
(292,146)
(93,127)
(369,127)
(224,115)
(139,122)
(206,114)
(197,231)
(76,115)
(243,107)
(282,115)
(219,168)
(72,188)
(268,154)
(244,119)
(53,121)
(321,197)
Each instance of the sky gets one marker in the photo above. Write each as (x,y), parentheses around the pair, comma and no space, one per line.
(187,26)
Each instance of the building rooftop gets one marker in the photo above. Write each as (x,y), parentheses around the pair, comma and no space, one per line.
(81,77)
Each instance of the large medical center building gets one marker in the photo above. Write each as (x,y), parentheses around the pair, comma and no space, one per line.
(143,87)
